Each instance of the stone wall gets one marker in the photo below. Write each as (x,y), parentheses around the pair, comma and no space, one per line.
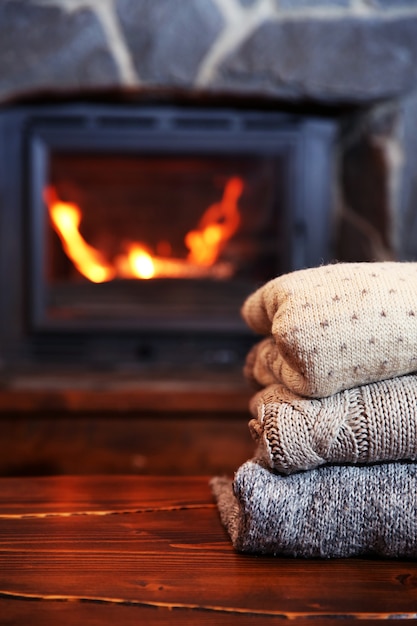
(326,50)
(355,59)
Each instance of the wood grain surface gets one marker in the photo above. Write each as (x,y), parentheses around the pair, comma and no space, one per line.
(149,550)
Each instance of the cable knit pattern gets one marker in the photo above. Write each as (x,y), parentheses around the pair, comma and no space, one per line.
(333,511)
(367,424)
(335,327)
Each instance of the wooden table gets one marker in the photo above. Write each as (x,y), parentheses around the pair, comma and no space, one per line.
(148,550)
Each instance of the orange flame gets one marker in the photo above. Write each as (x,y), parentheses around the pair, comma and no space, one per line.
(66,218)
(218,224)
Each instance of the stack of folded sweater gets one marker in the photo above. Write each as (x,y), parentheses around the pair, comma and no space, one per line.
(334,417)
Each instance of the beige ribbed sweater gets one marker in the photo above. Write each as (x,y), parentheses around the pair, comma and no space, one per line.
(335,327)
(367,424)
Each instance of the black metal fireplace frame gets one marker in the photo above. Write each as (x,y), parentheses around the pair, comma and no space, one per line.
(29,133)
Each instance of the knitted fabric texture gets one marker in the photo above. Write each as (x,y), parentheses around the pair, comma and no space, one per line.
(336,327)
(375,422)
(333,511)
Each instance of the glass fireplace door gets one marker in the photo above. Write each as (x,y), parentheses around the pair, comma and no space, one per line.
(135,233)
(130,237)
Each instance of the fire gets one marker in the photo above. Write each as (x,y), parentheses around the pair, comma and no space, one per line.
(218,224)
(66,218)
(141,262)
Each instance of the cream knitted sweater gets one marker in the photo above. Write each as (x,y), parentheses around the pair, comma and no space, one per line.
(335,327)
(367,424)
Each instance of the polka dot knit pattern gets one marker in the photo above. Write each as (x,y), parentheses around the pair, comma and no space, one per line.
(334,327)
(332,511)
(367,424)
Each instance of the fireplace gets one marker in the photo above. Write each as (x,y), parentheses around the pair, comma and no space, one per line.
(132,234)
(312,105)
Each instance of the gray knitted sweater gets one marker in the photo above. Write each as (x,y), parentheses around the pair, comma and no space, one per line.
(333,511)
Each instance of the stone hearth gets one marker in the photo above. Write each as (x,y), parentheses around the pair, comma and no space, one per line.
(353,59)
